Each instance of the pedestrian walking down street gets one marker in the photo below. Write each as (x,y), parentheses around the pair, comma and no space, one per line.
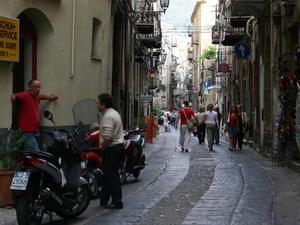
(211,123)
(184,115)
(201,124)
(111,142)
(28,116)
(217,131)
(233,125)
(243,126)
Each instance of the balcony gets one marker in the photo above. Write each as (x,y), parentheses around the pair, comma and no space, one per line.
(190,55)
(173,68)
(144,22)
(233,36)
(239,21)
(151,39)
(249,7)
(215,35)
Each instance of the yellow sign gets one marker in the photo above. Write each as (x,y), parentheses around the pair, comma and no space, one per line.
(9,39)
(152,75)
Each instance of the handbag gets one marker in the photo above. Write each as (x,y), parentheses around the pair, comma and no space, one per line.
(189,123)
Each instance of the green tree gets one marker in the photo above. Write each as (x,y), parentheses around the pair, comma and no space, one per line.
(208,53)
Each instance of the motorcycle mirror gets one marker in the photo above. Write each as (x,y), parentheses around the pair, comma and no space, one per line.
(48,115)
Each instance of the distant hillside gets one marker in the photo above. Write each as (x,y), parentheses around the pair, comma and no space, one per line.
(179,12)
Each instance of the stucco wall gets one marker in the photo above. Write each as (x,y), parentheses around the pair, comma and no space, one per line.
(5,90)
(53,21)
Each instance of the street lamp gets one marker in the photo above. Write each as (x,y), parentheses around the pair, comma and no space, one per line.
(164,4)
(163,57)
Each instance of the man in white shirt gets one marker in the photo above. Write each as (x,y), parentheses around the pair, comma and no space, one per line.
(111,142)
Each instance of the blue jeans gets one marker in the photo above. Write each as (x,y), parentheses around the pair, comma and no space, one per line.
(31,144)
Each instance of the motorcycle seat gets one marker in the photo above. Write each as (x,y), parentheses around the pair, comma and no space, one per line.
(43,155)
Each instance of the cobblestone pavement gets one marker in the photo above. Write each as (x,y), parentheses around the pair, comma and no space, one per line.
(202,188)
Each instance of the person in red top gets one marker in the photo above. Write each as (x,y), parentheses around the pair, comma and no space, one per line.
(185,134)
(233,124)
(28,117)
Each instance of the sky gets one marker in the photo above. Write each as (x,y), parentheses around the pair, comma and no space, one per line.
(179,12)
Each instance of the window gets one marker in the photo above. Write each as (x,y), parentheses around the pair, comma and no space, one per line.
(96,39)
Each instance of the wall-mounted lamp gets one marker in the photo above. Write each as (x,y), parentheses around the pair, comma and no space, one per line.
(163,56)
(289,8)
(164,4)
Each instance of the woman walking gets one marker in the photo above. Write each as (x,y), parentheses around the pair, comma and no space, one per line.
(201,125)
(211,123)
(184,115)
(233,124)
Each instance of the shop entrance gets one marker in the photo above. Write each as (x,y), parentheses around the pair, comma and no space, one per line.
(25,69)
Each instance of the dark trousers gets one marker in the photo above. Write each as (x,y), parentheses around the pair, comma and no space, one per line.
(112,187)
(240,138)
(201,133)
(217,136)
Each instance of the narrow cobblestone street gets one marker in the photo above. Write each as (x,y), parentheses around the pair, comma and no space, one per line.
(201,188)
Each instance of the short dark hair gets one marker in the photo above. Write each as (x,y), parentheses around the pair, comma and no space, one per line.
(186,103)
(30,82)
(105,99)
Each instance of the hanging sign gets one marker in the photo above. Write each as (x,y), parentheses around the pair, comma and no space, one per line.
(9,39)
(152,74)
(224,68)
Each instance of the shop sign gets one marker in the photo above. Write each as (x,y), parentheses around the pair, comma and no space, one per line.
(224,68)
(152,74)
(9,39)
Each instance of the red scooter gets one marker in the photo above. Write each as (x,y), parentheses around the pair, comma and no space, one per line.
(92,168)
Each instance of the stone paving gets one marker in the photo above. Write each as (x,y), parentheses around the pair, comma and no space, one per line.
(204,188)
(240,194)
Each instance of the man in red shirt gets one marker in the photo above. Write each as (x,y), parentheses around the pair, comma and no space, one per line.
(185,133)
(28,118)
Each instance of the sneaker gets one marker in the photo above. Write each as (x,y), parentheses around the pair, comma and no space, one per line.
(186,150)
(182,149)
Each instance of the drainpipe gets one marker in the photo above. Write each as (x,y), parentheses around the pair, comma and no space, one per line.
(71,75)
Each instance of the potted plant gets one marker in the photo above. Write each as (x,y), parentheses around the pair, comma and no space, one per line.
(8,164)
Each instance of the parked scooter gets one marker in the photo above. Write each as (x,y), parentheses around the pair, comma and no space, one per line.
(134,158)
(48,182)
(85,113)
(93,171)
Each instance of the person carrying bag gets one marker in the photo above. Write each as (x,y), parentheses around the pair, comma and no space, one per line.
(186,126)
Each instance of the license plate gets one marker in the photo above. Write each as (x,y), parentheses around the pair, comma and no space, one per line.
(20,180)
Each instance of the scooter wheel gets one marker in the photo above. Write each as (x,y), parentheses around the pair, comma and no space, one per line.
(122,171)
(136,173)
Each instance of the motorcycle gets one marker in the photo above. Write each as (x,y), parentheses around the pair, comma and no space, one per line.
(47,182)
(134,159)
(85,113)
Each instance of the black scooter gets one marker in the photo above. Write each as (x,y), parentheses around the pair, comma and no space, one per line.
(48,182)
(133,160)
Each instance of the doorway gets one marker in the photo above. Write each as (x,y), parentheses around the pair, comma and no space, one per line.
(25,69)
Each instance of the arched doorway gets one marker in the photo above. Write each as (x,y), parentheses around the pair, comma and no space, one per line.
(34,28)
(25,69)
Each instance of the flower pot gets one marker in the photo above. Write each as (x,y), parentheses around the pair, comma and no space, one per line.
(5,192)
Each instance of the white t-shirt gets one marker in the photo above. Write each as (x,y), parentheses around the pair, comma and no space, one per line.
(211,117)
